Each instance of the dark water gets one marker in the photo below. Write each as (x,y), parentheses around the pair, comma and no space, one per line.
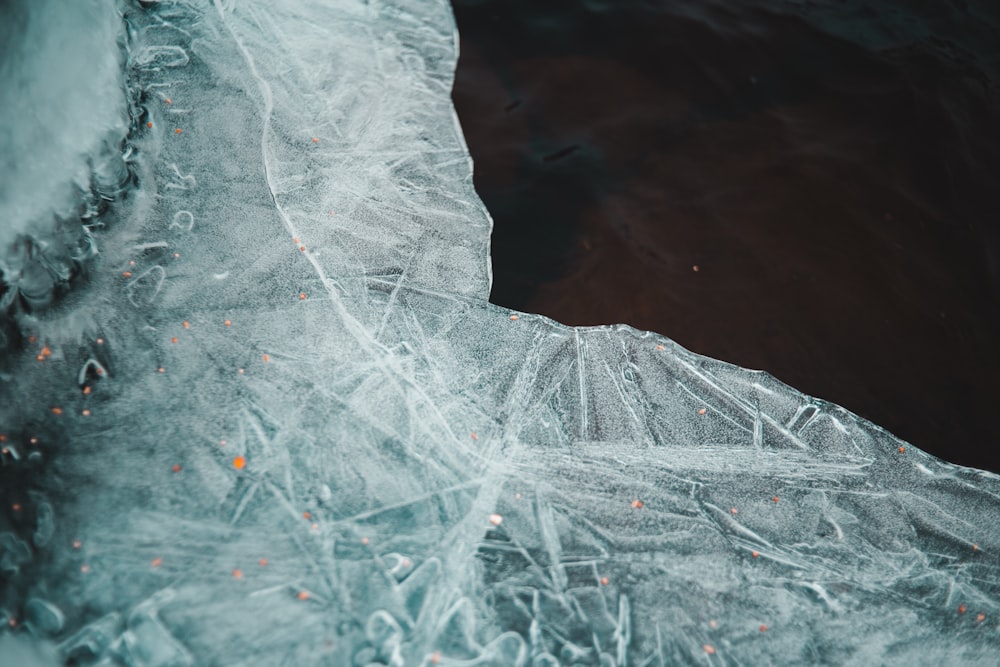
(809,189)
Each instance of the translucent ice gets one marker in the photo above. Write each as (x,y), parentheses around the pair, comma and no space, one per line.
(281,423)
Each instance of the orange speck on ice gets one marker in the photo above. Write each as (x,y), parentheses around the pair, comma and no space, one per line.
(902,449)
(961,608)
(262,562)
(161,369)
(176,467)
(85,412)
(604,581)
(57,411)
(496,519)
(763,628)
(178,131)
(295,240)
(303,595)
(174,339)
(514,318)
(266,357)
(302,295)
(306,515)
(40,357)
(733,510)
(86,391)
(775,499)
(980,617)
(709,649)
(237,574)
(975,547)
(364,540)
(46,352)
(702,411)
(660,348)
(240,462)
(755,554)
(157,562)
(168,101)
(315,140)
(474,436)
(435,657)
(77,544)
(302,248)
(228,323)
(187,325)
(149,124)
(638,504)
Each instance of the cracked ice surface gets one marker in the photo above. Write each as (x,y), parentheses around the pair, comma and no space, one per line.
(308,438)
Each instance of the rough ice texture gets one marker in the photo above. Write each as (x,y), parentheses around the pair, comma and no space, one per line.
(308,438)
(61,99)
(61,158)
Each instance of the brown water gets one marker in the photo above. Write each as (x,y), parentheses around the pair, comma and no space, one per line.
(810,191)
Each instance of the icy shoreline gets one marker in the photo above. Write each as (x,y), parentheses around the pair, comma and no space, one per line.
(283,424)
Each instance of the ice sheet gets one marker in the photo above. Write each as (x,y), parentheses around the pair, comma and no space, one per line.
(282,425)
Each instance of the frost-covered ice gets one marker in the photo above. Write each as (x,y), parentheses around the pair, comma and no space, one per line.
(61,161)
(280,424)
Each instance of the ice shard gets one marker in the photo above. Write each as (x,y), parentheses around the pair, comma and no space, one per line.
(276,421)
